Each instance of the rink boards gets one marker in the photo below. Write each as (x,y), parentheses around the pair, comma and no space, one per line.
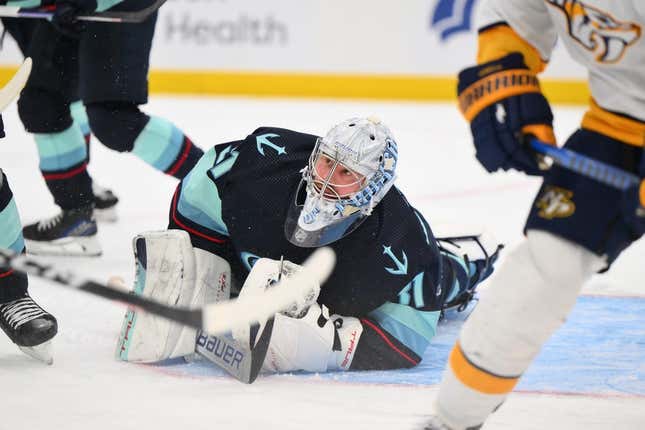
(598,352)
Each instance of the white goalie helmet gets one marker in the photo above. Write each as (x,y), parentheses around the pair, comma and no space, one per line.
(349,171)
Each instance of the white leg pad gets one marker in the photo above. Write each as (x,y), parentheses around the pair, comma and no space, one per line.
(172,272)
(527,299)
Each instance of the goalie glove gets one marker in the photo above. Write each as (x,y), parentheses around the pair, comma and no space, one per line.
(503,102)
(304,336)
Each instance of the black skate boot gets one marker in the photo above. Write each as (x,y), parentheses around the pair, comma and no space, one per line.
(104,204)
(71,232)
(29,326)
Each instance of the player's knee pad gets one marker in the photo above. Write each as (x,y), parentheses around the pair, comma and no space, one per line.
(42,111)
(528,299)
(170,271)
(116,124)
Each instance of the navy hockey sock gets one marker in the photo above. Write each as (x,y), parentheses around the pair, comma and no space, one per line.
(12,284)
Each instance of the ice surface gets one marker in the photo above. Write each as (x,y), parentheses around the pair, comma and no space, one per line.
(591,376)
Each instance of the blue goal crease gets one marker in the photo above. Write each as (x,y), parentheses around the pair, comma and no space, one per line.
(599,351)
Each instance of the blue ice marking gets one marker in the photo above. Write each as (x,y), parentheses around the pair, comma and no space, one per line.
(600,350)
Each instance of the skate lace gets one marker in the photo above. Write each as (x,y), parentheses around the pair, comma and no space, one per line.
(20,311)
(50,222)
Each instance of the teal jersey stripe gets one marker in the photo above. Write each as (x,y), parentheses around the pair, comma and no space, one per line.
(60,151)
(11,228)
(410,326)
(103,5)
(159,143)
(79,115)
(200,201)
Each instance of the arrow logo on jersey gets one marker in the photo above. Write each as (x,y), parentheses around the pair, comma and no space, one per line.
(263,139)
(401,267)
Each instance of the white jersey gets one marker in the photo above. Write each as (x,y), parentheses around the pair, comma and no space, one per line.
(606,36)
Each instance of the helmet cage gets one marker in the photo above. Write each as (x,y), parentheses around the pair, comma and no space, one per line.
(326,214)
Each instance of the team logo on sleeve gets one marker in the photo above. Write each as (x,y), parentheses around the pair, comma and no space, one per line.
(597,31)
(555,202)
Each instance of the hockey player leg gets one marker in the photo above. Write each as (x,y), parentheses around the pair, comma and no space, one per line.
(525,303)
(171,271)
(27,324)
(124,128)
(113,107)
(44,111)
(105,200)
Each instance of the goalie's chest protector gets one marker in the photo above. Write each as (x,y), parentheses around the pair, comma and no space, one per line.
(374,263)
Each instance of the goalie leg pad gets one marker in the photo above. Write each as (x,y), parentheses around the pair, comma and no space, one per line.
(314,343)
(526,301)
(169,271)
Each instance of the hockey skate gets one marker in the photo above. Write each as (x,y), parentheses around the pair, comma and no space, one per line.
(104,204)
(29,326)
(71,232)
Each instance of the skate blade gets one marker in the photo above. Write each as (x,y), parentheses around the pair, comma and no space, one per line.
(106,215)
(68,246)
(42,352)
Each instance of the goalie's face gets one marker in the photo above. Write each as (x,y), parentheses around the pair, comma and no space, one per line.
(333,180)
(349,171)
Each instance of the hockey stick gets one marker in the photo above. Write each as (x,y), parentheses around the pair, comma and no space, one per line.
(215,318)
(243,363)
(17,82)
(116,16)
(586,166)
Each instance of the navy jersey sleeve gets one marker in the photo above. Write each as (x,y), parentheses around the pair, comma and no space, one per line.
(397,333)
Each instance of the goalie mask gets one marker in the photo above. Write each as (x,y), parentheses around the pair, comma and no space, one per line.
(349,172)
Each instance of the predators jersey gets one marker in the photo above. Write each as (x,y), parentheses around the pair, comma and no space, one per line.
(606,36)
